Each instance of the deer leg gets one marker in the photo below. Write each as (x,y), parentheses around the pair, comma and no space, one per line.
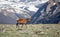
(22,26)
(26,25)
(16,25)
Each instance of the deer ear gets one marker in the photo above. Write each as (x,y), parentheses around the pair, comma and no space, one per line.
(17,18)
(29,17)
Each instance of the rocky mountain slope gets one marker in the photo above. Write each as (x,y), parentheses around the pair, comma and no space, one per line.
(40,11)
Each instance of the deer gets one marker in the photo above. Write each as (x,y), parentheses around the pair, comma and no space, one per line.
(22,21)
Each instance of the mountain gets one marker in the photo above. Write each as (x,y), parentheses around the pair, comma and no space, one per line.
(11,10)
(9,15)
(6,19)
(47,16)
(40,11)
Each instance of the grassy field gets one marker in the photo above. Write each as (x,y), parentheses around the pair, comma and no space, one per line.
(36,30)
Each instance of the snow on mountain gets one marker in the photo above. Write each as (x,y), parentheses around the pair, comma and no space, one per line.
(20,6)
(17,4)
(32,8)
(7,10)
(36,9)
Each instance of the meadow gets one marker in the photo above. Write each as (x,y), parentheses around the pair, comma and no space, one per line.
(32,30)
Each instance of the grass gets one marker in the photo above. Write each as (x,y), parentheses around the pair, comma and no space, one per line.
(36,30)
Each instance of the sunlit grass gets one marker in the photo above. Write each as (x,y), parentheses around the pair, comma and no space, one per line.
(36,30)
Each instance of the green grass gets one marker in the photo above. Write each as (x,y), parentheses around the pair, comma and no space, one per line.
(36,30)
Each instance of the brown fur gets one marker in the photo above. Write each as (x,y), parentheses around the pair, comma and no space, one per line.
(22,21)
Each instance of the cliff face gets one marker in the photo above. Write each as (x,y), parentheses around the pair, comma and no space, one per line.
(49,13)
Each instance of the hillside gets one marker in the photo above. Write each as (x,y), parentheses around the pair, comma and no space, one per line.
(39,11)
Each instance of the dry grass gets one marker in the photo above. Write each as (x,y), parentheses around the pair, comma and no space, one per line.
(36,30)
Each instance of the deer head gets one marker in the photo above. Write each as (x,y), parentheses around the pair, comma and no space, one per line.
(28,19)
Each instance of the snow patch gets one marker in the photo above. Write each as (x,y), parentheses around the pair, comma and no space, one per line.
(32,8)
